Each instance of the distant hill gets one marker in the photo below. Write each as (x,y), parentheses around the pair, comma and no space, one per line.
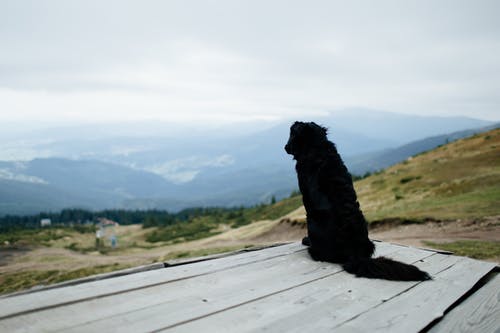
(370,162)
(21,198)
(52,184)
(396,127)
(456,180)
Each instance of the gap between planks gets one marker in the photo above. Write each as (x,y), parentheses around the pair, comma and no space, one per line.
(480,312)
(419,302)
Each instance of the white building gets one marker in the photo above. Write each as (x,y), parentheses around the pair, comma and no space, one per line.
(45,222)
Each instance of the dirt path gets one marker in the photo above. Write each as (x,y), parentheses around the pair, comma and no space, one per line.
(440,232)
(292,228)
(487,228)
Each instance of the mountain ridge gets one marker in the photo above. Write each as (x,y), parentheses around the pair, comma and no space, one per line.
(246,171)
(374,161)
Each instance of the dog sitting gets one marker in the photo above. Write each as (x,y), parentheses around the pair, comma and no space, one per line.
(337,230)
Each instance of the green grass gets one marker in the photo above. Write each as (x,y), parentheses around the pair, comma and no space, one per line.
(202,252)
(470,248)
(208,225)
(12,282)
(457,180)
(41,236)
(409,179)
(466,205)
(33,236)
(184,231)
(272,211)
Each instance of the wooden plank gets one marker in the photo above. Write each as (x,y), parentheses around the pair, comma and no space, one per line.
(223,294)
(167,304)
(317,306)
(92,278)
(140,269)
(226,296)
(170,297)
(10,306)
(478,313)
(417,307)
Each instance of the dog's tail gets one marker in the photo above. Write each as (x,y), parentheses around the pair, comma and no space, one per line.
(384,268)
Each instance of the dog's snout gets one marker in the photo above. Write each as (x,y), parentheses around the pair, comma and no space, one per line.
(287,148)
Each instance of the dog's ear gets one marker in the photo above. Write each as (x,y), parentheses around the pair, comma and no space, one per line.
(325,130)
(317,133)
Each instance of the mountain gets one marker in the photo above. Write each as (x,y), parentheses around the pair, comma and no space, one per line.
(114,167)
(457,180)
(399,128)
(20,198)
(148,144)
(97,179)
(54,183)
(370,162)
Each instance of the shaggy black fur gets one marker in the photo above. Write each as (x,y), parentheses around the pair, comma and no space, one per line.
(337,230)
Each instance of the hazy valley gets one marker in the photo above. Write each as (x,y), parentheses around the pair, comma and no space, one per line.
(150,166)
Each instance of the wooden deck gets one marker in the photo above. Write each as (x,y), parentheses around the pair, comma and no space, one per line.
(277,289)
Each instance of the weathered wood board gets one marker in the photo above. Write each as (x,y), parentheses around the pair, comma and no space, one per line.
(478,313)
(276,289)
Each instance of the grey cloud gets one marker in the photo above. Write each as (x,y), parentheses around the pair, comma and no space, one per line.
(412,55)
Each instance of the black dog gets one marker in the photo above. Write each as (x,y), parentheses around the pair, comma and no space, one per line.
(337,230)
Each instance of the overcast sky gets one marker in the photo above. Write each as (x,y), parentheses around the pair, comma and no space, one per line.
(99,61)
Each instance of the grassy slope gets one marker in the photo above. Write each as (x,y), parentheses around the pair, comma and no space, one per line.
(458,180)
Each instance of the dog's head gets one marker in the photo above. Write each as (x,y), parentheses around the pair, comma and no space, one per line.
(304,136)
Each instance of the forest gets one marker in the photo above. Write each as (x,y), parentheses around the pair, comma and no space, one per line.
(235,216)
